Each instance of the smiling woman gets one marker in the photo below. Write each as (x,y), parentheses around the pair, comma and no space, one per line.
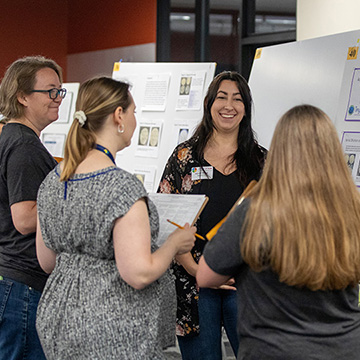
(40,108)
(219,160)
(24,163)
(228,108)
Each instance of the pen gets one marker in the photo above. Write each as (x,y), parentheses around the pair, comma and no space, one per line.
(181,227)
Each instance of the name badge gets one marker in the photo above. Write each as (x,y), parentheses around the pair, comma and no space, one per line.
(198,173)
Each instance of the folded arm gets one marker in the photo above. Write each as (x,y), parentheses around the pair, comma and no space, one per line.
(206,277)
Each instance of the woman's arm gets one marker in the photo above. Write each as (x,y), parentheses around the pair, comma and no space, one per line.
(132,244)
(46,256)
(188,263)
(206,277)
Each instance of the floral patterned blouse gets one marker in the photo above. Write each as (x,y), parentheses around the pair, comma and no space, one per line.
(223,191)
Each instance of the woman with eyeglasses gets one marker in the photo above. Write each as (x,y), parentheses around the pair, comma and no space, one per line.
(30,96)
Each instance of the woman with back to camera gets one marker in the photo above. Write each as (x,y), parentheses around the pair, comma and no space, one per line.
(294,249)
(30,96)
(109,287)
(224,147)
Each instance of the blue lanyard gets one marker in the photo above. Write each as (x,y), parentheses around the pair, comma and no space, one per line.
(105,151)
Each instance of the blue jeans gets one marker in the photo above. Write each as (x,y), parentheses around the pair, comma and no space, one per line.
(217,308)
(18,336)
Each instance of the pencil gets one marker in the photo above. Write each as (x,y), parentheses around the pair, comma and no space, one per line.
(181,227)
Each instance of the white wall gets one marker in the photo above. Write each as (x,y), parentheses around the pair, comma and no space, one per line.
(315,18)
(83,66)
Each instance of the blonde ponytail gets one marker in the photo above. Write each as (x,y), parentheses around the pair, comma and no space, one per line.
(97,99)
(78,143)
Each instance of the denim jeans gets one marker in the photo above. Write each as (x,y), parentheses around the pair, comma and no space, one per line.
(18,336)
(217,308)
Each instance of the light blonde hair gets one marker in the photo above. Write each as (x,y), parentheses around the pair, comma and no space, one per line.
(303,220)
(97,98)
(20,77)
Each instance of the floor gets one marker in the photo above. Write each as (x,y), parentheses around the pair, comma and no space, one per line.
(173,353)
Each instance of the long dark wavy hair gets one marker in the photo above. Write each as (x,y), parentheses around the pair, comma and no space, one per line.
(249,157)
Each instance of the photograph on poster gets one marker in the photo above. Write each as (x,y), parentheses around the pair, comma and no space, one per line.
(144,135)
(185,84)
(154,136)
(149,138)
(191,87)
(183,135)
(350,159)
(183,129)
(182,86)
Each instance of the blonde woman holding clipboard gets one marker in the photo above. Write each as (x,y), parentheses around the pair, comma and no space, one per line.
(110,294)
(219,160)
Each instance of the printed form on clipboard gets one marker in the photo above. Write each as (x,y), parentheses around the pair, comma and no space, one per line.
(179,208)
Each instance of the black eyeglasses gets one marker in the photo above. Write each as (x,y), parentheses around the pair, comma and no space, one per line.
(53,93)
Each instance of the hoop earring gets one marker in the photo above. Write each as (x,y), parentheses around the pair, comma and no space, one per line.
(121,128)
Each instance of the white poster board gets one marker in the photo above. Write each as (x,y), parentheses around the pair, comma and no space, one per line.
(311,71)
(324,72)
(54,135)
(169,105)
(348,112)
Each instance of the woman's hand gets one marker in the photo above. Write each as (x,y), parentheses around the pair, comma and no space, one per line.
(183,239)
(227,286)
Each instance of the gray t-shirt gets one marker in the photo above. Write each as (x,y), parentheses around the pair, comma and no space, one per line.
(24,163)
(277,321)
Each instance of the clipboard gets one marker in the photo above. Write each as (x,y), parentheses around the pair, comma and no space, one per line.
(179,208)
(244,194)
(200,210)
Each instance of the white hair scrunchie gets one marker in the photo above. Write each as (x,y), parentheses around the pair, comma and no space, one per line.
(81,117)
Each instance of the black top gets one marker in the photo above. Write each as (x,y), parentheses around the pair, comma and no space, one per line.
(24,163)
(223,191)
(277,321)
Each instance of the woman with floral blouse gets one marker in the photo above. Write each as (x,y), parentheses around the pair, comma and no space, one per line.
(219,160)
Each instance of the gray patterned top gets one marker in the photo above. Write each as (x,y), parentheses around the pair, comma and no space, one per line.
(87,311)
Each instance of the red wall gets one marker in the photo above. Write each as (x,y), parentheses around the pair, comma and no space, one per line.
(93,25)
(60,27)
(33,28)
